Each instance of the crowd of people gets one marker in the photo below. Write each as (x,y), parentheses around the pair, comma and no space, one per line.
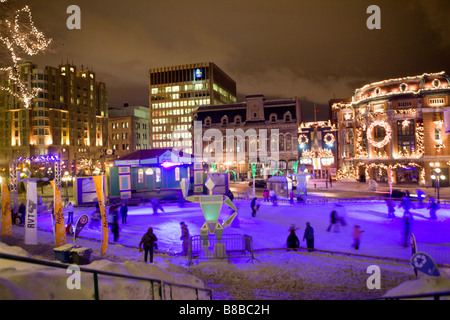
(337,221)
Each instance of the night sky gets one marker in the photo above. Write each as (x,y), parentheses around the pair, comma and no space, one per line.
(315,50)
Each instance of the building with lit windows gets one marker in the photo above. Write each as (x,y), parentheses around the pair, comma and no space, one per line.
(393,130)
(68,117)
(280,119)
(128,129)
(176,91)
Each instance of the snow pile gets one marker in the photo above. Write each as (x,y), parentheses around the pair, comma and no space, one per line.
(20,280)
(423,285)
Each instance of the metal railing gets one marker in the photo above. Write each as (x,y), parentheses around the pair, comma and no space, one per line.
(165,288)
(235,245)
(434,295)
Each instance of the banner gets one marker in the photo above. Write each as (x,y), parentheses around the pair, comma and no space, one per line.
(81,222)
(31,214)
(98,180)
(424,263)
(6,211)
(60,229)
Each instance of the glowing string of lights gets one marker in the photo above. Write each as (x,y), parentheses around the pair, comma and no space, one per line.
(31,41)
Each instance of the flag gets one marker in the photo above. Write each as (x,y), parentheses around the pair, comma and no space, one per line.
(81,222)
(31,214)
(424,263)
(60,230)
(98,181)
(6,211)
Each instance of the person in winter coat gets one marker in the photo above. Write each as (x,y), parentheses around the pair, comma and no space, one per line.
(291,197)
(147,244)
(70,212)
(185,238)
(333,221)
(433,207)
(309,237)
(254,206)
(266,195)
(356,236)
(115,230)
(391,208)
(124,212)
(292,241)
(273,197)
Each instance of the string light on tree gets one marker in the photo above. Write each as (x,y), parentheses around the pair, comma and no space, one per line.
(329,139)
(21,36)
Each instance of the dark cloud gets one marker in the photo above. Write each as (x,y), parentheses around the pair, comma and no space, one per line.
(315,50)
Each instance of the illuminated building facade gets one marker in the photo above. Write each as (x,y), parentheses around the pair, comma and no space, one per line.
(176,91)
(68,117)
(280,120)
(128,129)
(394,130)
(317,148)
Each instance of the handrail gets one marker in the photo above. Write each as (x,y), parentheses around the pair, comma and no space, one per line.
(107,273)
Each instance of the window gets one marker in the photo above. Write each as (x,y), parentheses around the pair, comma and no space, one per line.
(437,134)
(437,101)
(287,117)
(208,121)
(224,120)
(273,118)
(288,142)
(140,176)
(177,174)
(237,120)
(405,128)
(149,171)
(158,174)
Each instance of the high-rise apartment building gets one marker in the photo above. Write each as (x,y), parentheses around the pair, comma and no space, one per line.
(175,92)
(128,129)
(68,117)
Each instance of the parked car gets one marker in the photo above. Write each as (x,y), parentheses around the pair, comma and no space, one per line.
(259,183)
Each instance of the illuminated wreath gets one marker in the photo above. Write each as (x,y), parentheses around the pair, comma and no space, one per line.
(329,139)
(303,139)
(387,137)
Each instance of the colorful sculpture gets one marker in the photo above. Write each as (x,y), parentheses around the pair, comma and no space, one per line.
(211,206)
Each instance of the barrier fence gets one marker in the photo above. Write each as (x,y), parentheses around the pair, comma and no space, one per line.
(161,290)
(231,245)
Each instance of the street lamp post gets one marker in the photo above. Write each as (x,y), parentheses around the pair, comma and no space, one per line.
(436,176)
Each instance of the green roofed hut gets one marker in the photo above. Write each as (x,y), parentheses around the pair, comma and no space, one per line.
(152,174)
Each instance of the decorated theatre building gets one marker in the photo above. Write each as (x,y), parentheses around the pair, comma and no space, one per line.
(395,131)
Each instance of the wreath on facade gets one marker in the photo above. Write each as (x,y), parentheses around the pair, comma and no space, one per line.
(387,137)
(329,139)
(303,139)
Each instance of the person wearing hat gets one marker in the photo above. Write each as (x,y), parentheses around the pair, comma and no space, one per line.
(184,237)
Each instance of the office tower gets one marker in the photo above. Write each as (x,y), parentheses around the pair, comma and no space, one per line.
(175,92)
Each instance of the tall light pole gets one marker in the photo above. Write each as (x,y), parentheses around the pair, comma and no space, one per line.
(436,176)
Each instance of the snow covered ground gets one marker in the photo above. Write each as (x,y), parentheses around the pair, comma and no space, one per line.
(277,274)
